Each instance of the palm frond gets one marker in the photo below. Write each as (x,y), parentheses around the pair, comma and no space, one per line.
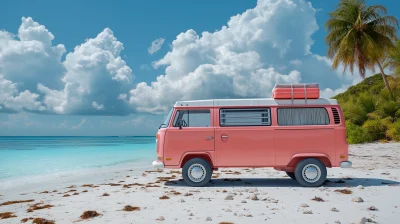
(393,60)
(359,36)
(374,11)
(384,20)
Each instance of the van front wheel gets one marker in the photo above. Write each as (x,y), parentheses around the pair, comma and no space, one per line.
(196,172)
(310,173)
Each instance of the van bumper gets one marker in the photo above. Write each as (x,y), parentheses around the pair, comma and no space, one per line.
(346,164)
(158,164)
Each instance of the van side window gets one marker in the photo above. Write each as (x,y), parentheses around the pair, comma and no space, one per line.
(193,118)
(245,117)
(302,116)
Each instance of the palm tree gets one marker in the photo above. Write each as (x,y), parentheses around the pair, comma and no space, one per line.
(361,36)
(393,60)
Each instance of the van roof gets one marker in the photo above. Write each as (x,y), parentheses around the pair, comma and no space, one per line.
(255,102)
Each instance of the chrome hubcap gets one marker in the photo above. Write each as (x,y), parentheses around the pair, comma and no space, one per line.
(311,173)
(197,172)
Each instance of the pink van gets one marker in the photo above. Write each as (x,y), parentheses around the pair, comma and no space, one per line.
(299,136)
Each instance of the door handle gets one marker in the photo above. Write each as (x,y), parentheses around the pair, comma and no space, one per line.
(224,137)
(209,137)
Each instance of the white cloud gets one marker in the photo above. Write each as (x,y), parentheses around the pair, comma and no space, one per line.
(79,126)
(263,46)
(328,92)
(25,100)
(29,57)
(97,106)
(295,62)
(34,78)
(13,100)
(156,45)
(122,96)
(258,48)
(95,77)
(95,73)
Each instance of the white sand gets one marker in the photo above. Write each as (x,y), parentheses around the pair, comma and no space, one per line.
(375,178)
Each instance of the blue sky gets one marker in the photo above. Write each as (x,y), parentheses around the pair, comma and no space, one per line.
(84,67)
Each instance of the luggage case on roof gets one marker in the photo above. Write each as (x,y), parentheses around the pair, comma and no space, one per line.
(295,91)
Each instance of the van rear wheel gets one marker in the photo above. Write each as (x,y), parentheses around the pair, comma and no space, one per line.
(196,172)
(291,175)
(310,173)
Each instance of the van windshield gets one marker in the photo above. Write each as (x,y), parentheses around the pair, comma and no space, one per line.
(166,122)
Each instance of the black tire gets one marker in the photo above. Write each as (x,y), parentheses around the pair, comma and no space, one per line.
(207,169)
(291,175)
(318,181)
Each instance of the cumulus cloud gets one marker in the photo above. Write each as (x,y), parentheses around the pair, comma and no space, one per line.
(95,72)
(89,80)
(97,106)
(29,57)
(156,45)
(263,46)
(12,100)
(256,49)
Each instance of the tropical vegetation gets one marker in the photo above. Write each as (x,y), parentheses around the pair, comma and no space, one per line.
(364,37)
(371,113)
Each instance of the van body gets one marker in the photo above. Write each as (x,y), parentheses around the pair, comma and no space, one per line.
(299,136)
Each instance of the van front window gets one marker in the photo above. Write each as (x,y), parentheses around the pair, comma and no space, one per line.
(166,122)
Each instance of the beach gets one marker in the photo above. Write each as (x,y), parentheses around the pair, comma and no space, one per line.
(369,192)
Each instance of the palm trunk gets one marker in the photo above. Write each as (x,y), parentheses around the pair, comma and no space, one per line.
(385,79)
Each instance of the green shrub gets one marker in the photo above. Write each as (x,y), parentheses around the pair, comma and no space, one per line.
(388,108)
(355,134)
(384,94)
(394,131)
(367,102)
(354,113)
(375,129)
(397,114)
(372,113)
(387,121)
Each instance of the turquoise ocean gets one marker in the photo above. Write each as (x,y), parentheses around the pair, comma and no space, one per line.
(26,156)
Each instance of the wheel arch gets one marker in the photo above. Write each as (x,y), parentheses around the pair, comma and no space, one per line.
(300,156)
(191,155)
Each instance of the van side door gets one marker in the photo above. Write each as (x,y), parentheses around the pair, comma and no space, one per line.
(244,137)
(192,131)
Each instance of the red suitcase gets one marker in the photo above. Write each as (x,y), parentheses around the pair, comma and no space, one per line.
(295,91)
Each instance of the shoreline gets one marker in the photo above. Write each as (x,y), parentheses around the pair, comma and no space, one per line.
(58,179)
(254,196)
